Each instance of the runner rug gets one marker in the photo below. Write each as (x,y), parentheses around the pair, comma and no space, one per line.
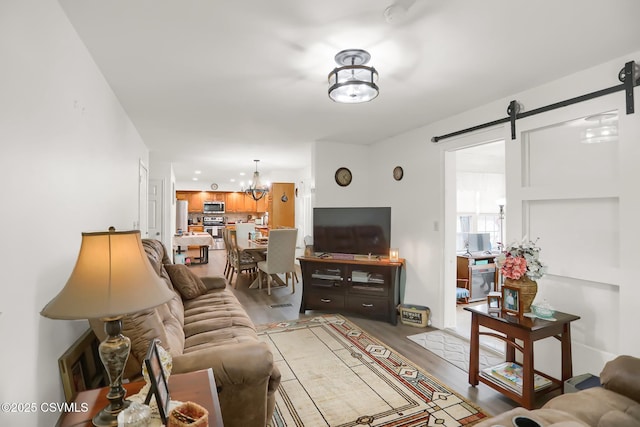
(336,374)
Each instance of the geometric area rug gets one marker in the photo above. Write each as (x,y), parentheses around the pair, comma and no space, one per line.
(336,374)
(455,349)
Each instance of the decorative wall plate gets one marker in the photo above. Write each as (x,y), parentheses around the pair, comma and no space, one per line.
(398,173)
(343,177)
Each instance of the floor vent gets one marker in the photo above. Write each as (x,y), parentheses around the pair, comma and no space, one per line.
(281,305)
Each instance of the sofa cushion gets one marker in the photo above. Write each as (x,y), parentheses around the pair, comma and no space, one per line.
(185,281)
(618,419)
(622,375)
(214,319)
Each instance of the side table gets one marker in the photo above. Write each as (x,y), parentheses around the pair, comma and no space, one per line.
(527,330)
(198,387)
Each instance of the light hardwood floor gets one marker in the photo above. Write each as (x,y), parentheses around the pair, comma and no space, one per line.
(282,304)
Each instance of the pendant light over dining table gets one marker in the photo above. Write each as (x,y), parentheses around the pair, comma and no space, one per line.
(353,82)
(256,190)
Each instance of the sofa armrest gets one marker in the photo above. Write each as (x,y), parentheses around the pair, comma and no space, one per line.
(239,363)
(622,375)
(214,282)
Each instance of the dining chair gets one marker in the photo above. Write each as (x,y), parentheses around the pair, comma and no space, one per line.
(227,247)
(244,228)
(281,254)
(240,260)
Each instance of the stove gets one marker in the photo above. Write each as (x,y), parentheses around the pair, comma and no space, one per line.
(213,220)
(214,225)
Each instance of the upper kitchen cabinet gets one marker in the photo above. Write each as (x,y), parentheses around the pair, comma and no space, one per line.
(195,199)
(234,202)
(282,211)
(214,196)
(262,204)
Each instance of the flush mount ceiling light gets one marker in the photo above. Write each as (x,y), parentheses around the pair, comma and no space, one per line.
(256,190)
(353,82)
(603,129)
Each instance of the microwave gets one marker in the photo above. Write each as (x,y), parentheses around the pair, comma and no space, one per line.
(213,207)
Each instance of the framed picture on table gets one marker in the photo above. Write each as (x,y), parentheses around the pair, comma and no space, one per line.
(511,303)
(494,301)
(159,388)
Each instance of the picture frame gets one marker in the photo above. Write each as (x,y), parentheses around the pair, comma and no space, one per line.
(159,387)
(80,366)
(494,301)
(511,301)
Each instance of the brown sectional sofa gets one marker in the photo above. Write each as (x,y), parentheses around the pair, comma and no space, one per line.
(615,404)
(204,326)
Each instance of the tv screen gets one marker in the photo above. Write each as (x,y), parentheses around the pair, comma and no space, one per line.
(352,230)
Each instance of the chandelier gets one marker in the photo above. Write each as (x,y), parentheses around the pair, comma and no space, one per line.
(353,82)
(256,190)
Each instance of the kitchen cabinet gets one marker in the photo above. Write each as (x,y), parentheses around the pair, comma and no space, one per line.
(214,196)
(233,201)
(281,205)
(367,288)
(240,202)
(196,199)
(196,228)
(261,205)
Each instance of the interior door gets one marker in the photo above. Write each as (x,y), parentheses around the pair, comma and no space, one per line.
(143,197)
(155,209)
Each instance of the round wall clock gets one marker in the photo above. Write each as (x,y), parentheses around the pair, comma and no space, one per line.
(214,186)
(343,177)
(398,173)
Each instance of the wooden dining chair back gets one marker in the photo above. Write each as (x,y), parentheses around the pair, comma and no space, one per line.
(227,247)
(240,261)
(281,255)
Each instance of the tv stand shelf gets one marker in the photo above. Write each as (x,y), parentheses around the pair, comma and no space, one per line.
(362,286)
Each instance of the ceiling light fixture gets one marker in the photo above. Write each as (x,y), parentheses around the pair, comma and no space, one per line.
(256,190)
(353,82)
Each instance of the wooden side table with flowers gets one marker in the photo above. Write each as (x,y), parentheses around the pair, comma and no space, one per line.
(521,266)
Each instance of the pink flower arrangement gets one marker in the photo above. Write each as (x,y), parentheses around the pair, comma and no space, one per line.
(513,267)
(519,259)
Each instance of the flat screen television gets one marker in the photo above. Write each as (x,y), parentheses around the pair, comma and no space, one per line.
(352,230)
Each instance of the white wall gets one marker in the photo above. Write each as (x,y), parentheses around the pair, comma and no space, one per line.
(69,164)
(418,207)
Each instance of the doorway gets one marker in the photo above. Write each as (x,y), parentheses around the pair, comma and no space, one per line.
(476,193)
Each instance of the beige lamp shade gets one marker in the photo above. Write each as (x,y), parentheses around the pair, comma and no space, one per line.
(112,277)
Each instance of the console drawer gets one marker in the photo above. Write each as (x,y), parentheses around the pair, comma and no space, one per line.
(323,301)
(369,306)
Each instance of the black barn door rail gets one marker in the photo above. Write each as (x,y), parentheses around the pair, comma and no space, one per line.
(629,76)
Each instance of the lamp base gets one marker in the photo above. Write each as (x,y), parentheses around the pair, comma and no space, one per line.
(114,352)
(108,417)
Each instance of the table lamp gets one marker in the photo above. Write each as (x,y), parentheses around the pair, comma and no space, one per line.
(112,277)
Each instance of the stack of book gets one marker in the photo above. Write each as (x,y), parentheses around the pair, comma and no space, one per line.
(509,375)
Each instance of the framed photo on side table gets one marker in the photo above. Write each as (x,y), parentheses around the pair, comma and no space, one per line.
(511,303)
(159,388)
(494,301)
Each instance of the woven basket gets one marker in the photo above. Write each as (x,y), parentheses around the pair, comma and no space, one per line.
(188,414)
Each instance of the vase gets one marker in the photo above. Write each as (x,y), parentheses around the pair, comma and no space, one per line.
(527,290)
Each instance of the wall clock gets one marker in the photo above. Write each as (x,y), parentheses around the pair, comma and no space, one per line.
(398,173)
(214,186)
(343,177)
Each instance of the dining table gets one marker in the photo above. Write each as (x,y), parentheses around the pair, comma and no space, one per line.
(203,240)
(257,248)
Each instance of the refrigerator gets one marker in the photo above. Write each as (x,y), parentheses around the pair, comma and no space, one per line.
(182,216)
